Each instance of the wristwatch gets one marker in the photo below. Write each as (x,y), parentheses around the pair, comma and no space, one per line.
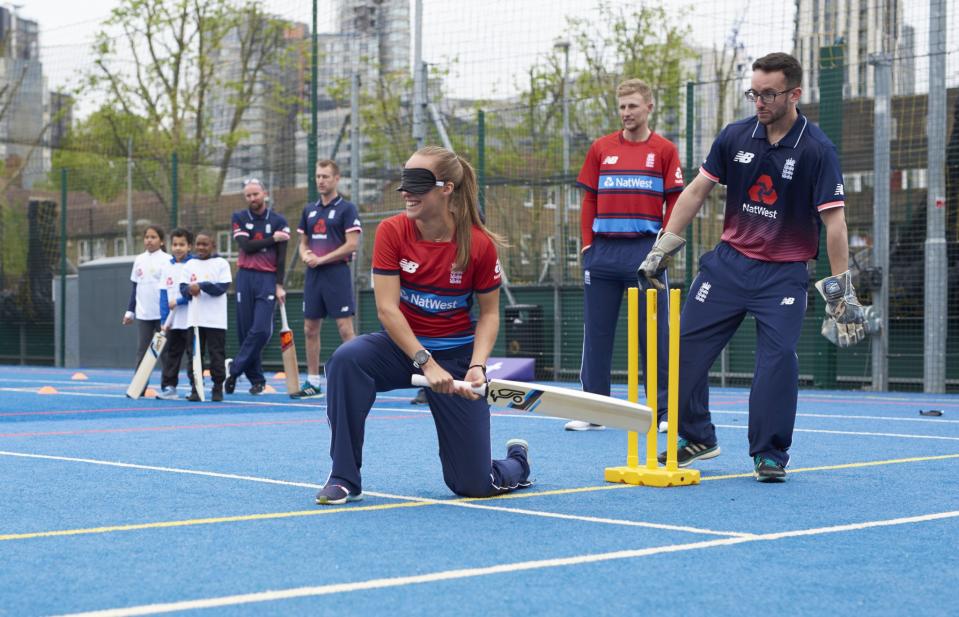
(421,357)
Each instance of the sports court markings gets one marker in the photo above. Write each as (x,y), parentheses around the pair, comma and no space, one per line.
(407,410)
(404,500)
(506,568)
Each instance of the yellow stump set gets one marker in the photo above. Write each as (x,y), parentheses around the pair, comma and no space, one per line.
(652,474)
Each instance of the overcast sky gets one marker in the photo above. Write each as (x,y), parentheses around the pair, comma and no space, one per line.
(492,42)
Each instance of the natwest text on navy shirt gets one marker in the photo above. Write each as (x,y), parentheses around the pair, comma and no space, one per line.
(775,192)
(258,227)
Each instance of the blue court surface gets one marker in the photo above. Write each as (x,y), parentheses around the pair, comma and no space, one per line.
(120,507)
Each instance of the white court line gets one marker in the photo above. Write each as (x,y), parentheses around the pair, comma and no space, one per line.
(446,575)
(857,433)
(426,500)
(408,410)
(320,404)
(833,416)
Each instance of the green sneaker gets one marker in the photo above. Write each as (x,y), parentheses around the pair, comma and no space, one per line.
(308,391)
(768,470)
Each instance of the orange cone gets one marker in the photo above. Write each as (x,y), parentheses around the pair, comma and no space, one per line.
(47,390)
(79,377)
(280,376)
(150,393)
(269,389)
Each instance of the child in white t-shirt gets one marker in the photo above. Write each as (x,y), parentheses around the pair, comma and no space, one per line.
(144,305)
(206,278)
(179,332)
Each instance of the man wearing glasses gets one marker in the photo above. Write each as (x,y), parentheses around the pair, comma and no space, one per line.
(783,184)
(262,235)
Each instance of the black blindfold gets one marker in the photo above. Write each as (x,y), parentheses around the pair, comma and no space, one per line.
(419,181)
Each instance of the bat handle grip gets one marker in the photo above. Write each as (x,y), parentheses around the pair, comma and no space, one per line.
(421,381)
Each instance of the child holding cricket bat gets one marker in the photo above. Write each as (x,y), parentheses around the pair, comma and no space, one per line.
(178,333)
(144,305)
(206,280)
(430,264)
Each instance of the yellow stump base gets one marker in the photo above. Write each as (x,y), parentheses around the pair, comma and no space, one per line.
(661,477)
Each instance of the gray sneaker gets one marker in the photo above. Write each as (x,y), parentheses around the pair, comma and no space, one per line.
(336,494)
(688,452)
(168,394)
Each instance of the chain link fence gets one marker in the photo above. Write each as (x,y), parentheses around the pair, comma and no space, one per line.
(527,144)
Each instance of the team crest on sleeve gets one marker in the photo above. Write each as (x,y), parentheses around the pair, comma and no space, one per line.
(497,270)
(456,276)
(679,174)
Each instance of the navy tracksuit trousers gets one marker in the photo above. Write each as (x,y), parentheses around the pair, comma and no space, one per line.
(609,268)
(255,300)
(372,363)
(728,287)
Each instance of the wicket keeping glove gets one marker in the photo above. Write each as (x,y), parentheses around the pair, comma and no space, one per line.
(666,245)
(844,322)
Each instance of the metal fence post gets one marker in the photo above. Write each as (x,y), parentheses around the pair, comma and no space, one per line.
(935,327)
(174,191)
(882,64)
(63,267)
(830,120)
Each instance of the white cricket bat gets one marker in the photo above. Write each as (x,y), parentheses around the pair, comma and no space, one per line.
(145,369)
(198,364)
(560,402)
(288,350)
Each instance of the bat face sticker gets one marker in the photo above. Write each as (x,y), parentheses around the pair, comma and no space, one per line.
(525,401)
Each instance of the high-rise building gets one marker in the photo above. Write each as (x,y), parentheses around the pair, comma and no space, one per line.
(267,149)
(21,98)
(862,27)
(374,41)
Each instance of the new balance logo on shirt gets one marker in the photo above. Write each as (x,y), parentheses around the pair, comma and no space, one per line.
(409,266)
(610,160)
(787,301)
(743,157)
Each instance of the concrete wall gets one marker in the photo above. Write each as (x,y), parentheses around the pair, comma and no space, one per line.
(104,293)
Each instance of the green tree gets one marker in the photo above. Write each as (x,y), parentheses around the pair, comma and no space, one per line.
(95,152)
(161,60)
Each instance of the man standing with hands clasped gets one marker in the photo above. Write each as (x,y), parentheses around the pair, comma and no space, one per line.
(630,181)
(329,234)
(262,235)
(783,184)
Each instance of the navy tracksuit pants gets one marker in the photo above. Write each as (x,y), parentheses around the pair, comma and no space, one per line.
(373,363)
(728,287)
(255,300)
(609,268)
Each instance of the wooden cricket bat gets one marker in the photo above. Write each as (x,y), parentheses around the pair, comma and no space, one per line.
(149,360)
(288,350)
(198,364)
(560,402)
